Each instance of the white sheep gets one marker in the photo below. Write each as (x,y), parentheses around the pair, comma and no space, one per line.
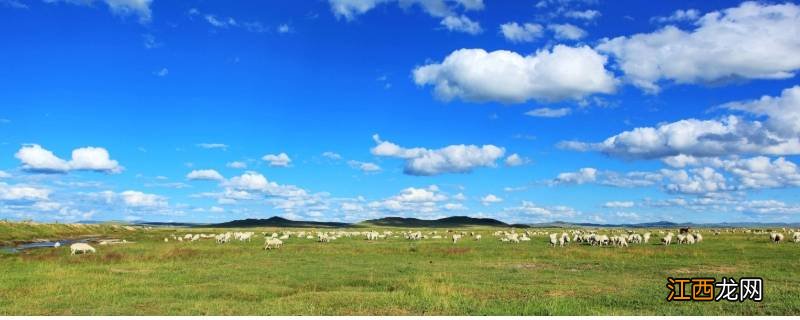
(646,237)
(76,248)
(272,243)
(456,237)
(478,237)
(667,239)
(776,237)
(698,237)
(166,239)
(553,239)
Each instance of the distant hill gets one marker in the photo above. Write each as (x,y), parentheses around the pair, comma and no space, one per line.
(456,221)
(276,222)
(449,222)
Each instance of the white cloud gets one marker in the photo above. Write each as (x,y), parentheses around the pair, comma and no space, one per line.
(783,112)
(216,209)
(94,159)
(162,73)
(454,206)
(208,174)
(515,160)
(140,8)
(515,32)
(679,141)
(618,204)
(277,160)
(4,175)
(490,199)
(220,22)
(206,145)
(530,208)
(240,186)
(585,15)
(695,181)
(505,76)
(760,172)
(364,166)
(548,112)
(37,159)
(23,193)
(751,41)
(349,9)
(567,31)
(584,175)
(237,165)
(451,159)
(461,24)
(678,16)
(140,199)
(332,155)
(284,28)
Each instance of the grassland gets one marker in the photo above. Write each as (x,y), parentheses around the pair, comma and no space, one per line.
(390,277)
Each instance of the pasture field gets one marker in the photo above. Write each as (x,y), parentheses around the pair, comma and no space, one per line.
(392,276)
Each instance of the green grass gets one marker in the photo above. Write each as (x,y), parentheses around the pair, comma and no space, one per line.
(390,277)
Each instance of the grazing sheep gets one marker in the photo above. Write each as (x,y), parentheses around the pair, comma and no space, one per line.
(166,239)
(564,238)
(76,248)
(776,237)
(272,243)
(553,239)
(698,237)
(456,237)
(646,237)
(667,240)
(681,238)
(478,237)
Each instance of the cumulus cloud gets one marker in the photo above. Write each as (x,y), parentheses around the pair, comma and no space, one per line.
(411,200)
(515,160)
(23,193)
(207,174)
(255,182)
(4,175)
(140,199)
(751,41)
(729,135)
(584,175)
(527,32)
(490,199)
(567,31)
(479,76)
(37,159)
(451,159)
(277,160)
(548,112)
(461,24)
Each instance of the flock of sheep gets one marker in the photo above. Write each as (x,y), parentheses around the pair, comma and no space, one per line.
(275,240)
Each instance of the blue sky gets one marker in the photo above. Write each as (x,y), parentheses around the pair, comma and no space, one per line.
(345,110)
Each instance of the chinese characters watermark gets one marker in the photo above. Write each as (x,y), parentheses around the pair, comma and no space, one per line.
(709,289)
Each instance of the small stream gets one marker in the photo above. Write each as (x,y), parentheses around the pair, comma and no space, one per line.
(41,244)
